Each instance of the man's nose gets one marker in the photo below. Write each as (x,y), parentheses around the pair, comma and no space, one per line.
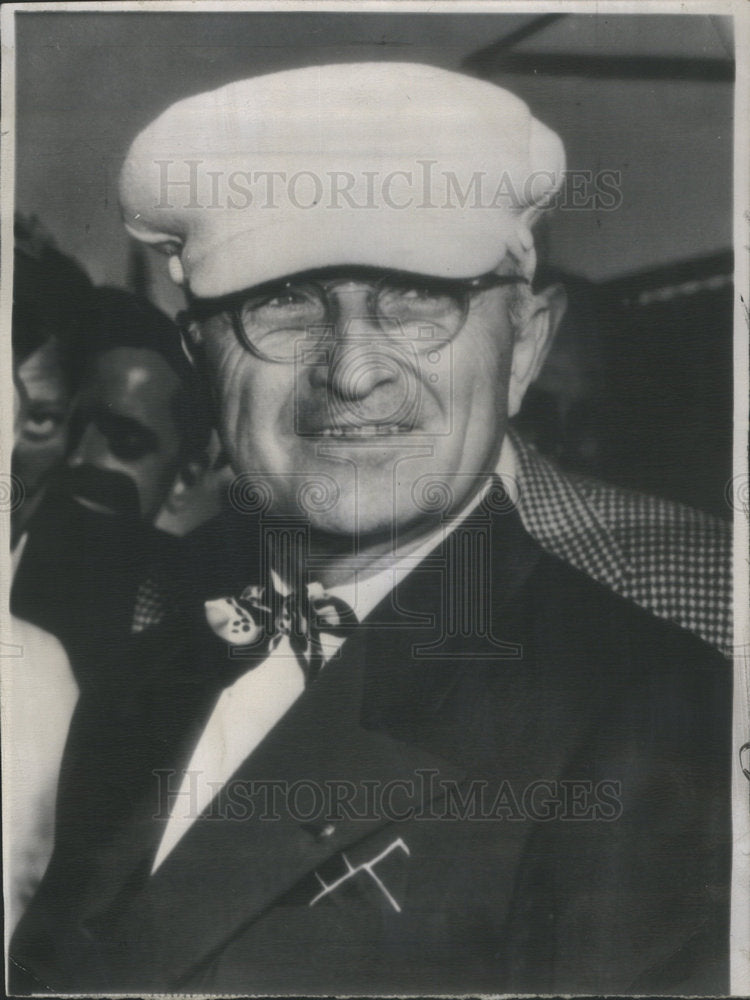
(90,449)
(359,356)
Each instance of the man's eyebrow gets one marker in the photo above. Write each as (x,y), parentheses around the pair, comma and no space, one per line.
(38,394)
(45,402)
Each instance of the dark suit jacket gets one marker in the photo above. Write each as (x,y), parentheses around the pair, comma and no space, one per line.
(79,576)
(470,703)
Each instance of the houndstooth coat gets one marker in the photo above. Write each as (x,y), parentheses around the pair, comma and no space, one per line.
(671,560)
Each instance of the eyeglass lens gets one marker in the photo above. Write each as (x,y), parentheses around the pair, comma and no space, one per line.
(276,319)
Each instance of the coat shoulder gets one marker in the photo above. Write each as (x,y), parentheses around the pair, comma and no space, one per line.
(671,560)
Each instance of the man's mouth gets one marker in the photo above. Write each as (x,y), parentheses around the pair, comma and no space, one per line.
(98,508)
(360,431)
(103,491)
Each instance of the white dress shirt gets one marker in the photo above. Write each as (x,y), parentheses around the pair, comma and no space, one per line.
(39,694)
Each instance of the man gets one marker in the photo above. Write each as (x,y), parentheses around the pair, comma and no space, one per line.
(390,742)
(39,692)
(138,435)
(139,423)
(49,294)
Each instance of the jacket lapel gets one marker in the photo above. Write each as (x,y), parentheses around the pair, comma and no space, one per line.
(239,858)
(370,717)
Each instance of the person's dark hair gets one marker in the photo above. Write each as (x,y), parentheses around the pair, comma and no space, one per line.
(50,293)
(115,319)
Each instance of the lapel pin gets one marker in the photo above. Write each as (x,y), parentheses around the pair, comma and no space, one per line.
(321,831)
(366,866)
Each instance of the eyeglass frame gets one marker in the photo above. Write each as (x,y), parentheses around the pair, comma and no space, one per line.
(460,288)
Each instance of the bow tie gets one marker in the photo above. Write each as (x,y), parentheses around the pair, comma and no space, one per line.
(261,616)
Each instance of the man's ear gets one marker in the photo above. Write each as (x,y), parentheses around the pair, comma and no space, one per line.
(192,339)
(533,341)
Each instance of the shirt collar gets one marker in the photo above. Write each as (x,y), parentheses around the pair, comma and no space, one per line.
(364,593)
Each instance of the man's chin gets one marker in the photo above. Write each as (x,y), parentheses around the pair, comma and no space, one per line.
(369,525)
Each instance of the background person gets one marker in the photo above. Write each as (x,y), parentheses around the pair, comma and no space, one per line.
(138,433)
(49,295)
(39,692)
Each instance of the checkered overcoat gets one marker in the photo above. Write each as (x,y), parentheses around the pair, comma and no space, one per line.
(671,560)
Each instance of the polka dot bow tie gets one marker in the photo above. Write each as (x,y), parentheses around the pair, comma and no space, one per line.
(261,616)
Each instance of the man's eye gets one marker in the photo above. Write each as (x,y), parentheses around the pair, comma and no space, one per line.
(285,304)
(287,298)
(418,292)
(40,426)
(423,300)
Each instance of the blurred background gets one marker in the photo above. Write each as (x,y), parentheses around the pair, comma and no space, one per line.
(638,388)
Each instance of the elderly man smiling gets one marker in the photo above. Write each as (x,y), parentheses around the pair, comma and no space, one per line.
(418,721)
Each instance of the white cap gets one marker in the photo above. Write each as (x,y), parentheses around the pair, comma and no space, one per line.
(393,165)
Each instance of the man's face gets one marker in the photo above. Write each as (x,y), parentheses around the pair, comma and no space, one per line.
(374,422)
(125,437)
(42,403)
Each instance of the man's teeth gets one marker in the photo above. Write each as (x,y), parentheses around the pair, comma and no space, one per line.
(364,431)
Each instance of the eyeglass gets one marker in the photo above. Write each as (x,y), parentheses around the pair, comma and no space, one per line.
(276,319)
